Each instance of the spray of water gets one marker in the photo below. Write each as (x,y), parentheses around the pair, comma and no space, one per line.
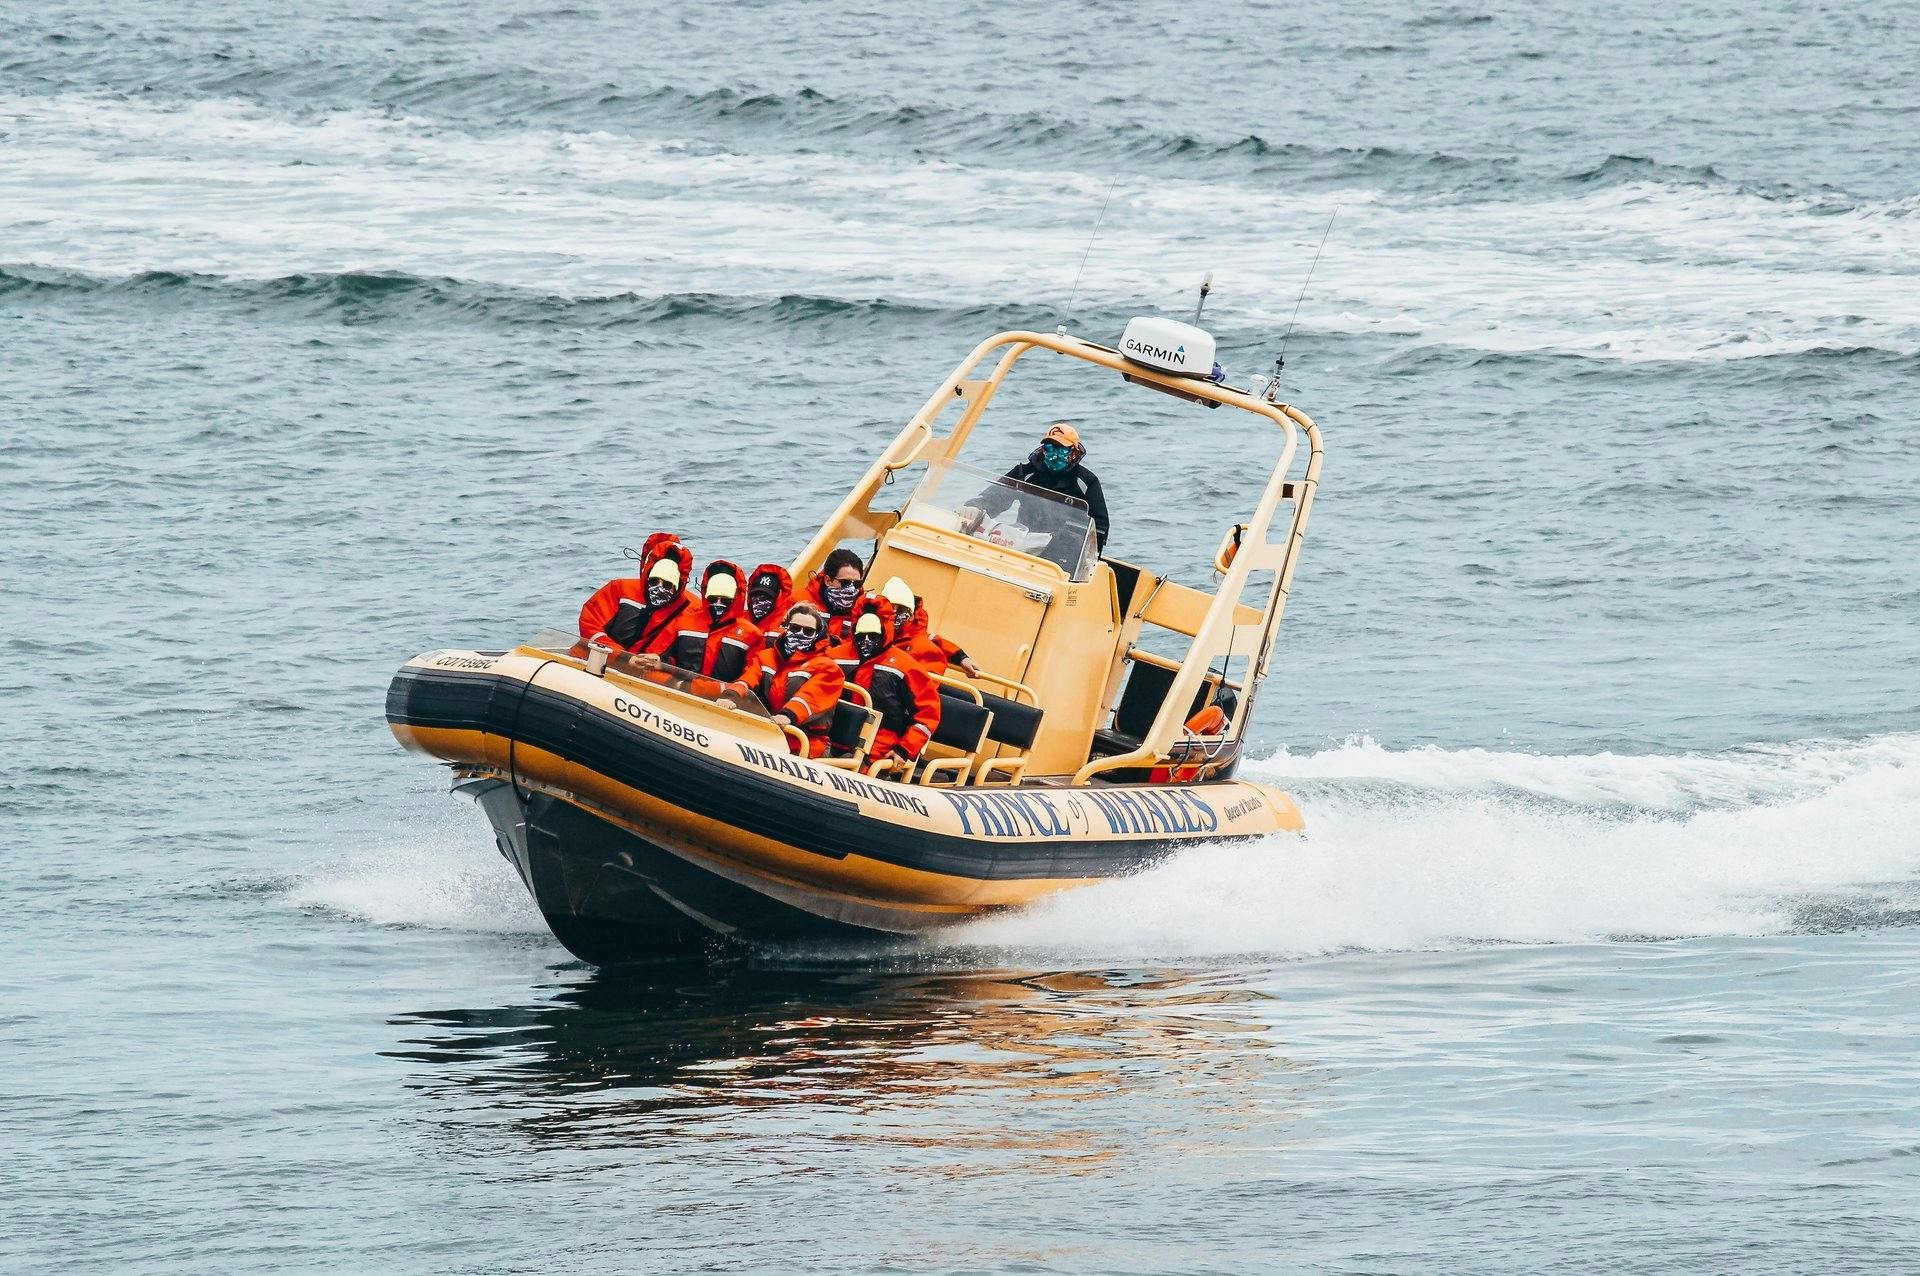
(1406,850)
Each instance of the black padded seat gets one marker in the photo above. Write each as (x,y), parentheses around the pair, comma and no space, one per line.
(1014,724)
(849,720)
(963,724)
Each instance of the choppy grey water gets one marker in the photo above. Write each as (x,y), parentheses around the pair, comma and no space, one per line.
(331,337)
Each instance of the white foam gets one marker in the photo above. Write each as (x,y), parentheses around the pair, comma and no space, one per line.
(1636,271)
(442,872)
(1432,848)
(1406,850)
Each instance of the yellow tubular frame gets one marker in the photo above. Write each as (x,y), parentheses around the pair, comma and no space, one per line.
(1220,631)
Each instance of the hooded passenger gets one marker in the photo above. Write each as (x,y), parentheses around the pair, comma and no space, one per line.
(835,588)
(795,677)
(906,696)
(652,615)
(910,631)
(731,637)
(769,594)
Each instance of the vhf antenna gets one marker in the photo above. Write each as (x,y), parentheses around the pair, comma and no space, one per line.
(1081,273)
(1280,360)
(1206,286)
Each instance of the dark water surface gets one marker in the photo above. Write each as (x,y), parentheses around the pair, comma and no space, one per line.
(331,337)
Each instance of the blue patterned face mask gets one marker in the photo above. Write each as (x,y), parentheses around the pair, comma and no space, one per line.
(1055,456)
(841,597)
(659,593)
(794,639)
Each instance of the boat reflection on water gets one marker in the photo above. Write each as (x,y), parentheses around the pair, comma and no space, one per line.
(959,1071)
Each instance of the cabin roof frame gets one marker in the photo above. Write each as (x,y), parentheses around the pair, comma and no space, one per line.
(1220,631)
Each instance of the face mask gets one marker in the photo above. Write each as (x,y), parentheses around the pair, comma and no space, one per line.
(1055,457)
(758,605)
(659,593)
(868,645)
(717,608)
(795,640)
(902,617)
(840,597)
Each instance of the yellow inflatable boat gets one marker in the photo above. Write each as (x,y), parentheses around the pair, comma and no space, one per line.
(650,820)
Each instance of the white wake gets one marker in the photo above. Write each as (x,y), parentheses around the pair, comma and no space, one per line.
(1436,848)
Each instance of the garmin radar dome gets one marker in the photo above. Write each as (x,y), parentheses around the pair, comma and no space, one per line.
(1167,345)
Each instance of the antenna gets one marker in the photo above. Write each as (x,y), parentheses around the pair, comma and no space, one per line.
(1113,182)
(1206,286)
(1280,360)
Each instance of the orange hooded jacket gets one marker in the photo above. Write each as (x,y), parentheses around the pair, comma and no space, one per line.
(618,616)
(805,686)
(731,637)
(774,584)
(839,624)
(930,649)
(903,691)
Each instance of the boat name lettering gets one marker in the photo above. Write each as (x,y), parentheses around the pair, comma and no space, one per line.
(1143,811)
(779,762)
(875,792)
(831,777)
(464,662)
(640,713)
(1008,814)
(1239,809)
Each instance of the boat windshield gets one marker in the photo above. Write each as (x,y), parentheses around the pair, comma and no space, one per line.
(685,681)
(1004,511)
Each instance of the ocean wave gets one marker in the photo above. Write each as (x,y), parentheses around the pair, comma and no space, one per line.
(499,97)
(374,297)
(1627,272)
(398,298)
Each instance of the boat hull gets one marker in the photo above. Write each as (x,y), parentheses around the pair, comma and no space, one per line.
(649,825)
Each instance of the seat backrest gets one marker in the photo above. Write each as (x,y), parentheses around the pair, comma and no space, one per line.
(849,729)
(963,724)
(1014,724)
(1146,690)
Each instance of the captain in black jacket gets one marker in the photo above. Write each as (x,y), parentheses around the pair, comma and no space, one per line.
(1055,466)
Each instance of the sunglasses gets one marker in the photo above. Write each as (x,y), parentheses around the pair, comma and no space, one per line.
(802,630)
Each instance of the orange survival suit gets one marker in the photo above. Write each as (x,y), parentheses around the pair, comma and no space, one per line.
(803,683)
(731,637)
(620,615)
(905,694)
(838,622)
(930,649)
(769,594)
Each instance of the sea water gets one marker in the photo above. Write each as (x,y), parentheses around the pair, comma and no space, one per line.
(334,335)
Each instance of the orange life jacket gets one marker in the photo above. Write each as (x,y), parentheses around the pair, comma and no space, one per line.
(903,691)
(774,579)
(732,639)
(618,616)
(805,686)
(839,624)
(930,649)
